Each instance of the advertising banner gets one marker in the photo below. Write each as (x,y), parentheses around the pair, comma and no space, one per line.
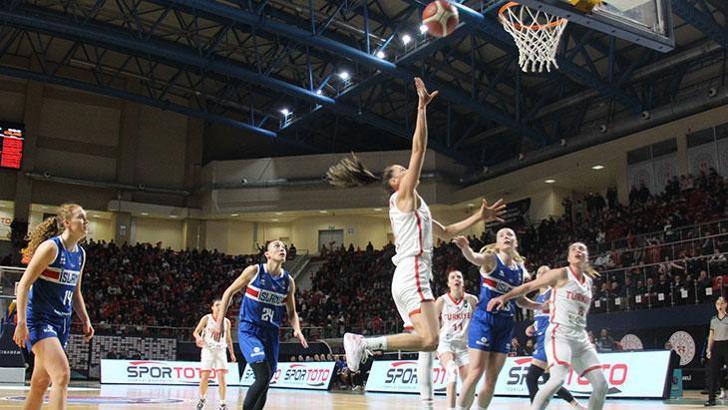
(160,372)
(629,374)
(297,375)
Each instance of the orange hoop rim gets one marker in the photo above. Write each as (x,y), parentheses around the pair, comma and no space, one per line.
(517,26)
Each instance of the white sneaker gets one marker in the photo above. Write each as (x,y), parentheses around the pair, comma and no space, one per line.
(723,394)
(201,404)
(578,406)
(356,351)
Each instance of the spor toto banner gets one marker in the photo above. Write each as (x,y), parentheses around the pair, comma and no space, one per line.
(297,375)
(629,374)
(160,372)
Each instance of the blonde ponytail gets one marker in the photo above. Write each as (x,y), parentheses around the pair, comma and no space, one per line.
(47,229)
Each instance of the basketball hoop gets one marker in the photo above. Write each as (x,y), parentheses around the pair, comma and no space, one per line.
(536,33)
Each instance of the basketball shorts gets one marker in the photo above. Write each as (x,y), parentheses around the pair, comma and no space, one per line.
(411,287)
(259,344)
(568,346)
(213,359)
(490,333)
(458,349)
(41,327)
(539,350)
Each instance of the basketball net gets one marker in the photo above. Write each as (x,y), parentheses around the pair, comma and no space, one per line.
(536,33)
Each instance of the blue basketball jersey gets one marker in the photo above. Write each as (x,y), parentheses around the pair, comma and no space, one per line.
(541,317)
(263,302)
(498,282)
(51,296)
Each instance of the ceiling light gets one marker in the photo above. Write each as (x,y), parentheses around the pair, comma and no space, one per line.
(344,75)
(406,39)
(423,29)
(319,92)
(323,212)
(550,181)
(275,219)
(145,213)
(279,213)
(234,214)
(597,167)
(471,205)
(285,112)
(380,54)
(377,209)
(173,216)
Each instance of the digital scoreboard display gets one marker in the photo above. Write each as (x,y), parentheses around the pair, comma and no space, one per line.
(11,145)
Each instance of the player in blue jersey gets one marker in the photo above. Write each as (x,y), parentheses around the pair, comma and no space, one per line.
(490,333)
(48,293)
(539,361)
(269,292)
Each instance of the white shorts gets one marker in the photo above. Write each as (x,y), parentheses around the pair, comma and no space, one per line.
(213,359)
(568,346)
(458,350)
(411,287)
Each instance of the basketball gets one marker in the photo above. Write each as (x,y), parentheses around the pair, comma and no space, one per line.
(440,17)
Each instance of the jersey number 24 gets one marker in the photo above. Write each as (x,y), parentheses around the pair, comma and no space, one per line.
(267,315)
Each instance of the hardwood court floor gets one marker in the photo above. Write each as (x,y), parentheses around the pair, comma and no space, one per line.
(120,397)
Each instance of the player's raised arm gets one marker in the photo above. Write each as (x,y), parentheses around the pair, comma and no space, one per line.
(419,145)
(551,278)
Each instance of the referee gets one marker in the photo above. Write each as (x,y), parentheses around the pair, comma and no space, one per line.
(717,351)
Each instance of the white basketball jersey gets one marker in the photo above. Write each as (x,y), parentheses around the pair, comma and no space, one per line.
(570,303)
(207,334)
(412,230)
(455,317)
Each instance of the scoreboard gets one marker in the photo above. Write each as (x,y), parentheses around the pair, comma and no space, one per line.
(11,146)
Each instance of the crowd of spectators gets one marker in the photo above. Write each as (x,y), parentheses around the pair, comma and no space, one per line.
(641,265)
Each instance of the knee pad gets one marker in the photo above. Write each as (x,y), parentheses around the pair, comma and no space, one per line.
(452,372)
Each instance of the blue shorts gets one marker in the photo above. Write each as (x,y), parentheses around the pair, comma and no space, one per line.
(40,328)
(259,344)
(539,351)
(490,333)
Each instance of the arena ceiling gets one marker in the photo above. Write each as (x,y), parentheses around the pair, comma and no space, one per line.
(239,64)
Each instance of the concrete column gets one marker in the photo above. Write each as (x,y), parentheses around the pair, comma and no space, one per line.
(622,178)
(128,141)
(122,228)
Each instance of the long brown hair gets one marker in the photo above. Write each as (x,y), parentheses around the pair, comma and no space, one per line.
(350,172)
(47,229)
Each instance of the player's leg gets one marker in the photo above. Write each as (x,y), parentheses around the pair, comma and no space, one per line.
(222,387)
(204,380)
(39,382)
(49,352)
(416,306)
(476,367)
(272,346)
(559,354)
(424,374)
(495,363)
(252,346)
(535,371)
(447,362)
(587,365)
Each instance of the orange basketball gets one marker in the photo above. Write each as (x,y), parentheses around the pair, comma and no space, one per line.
(440,17)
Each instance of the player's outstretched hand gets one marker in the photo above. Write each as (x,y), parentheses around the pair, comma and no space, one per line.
(21,335)
(425,97)
(493,212)
(496,304)
(298,335)
(88,331)
(461,242)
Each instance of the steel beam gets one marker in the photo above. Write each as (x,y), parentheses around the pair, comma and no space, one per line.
(698,19)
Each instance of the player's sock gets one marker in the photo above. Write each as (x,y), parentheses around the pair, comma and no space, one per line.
(424,374)
(376,343)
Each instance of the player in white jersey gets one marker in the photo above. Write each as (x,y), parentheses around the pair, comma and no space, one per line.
(213,357)
(567,343)
(413,228)
(455,310)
